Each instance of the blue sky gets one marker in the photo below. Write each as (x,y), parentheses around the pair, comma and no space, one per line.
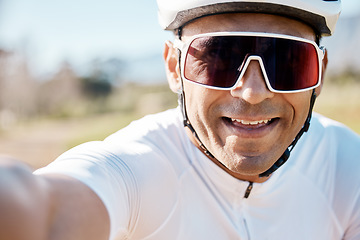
(80,30)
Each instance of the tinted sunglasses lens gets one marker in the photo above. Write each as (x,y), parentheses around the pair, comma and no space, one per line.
(214,61)
(291,65)
(217,60)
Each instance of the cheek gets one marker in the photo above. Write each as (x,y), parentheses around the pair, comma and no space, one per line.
(194,100)
(202,107)
(195,106)
(300,103)
(199,100)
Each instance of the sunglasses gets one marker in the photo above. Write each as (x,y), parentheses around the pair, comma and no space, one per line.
(219,60)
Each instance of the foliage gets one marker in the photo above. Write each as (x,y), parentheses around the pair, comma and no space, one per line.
(96,86)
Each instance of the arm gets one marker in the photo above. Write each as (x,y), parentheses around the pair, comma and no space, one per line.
(48,207)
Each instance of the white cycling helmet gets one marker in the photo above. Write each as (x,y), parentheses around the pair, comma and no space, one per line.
(322,15)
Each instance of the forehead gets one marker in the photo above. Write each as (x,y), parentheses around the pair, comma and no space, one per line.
(249,22)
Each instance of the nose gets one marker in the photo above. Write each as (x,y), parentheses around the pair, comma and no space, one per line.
(252,86)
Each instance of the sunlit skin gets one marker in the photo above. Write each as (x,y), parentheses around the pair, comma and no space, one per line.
(242,150)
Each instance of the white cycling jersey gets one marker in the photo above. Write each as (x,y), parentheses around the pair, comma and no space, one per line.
(157,185)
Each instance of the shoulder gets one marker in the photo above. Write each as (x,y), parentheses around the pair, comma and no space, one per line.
(136,168)
(327,159)
(144,144)
(338,137)
(329,154)
(167,122)
(158,137)
(330,143)
(334,150)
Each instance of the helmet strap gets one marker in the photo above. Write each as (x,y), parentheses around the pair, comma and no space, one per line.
(186,120)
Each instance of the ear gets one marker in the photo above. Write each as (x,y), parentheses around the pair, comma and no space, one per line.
(324,66)
(172,67)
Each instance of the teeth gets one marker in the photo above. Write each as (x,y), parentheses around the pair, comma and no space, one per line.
(251,122)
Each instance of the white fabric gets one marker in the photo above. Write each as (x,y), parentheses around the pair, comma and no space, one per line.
(156,185)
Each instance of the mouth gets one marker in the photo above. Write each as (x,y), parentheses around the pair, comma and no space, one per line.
(243,125)
(251,123)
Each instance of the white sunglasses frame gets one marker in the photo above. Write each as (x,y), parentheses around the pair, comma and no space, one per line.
(184,47)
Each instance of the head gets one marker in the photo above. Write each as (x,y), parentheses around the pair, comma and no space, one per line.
(249,126)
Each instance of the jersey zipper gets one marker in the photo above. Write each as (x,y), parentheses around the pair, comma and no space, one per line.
(248,190)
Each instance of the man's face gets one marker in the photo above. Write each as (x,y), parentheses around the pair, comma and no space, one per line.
(248,128)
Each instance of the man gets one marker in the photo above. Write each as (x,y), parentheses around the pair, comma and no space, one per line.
(247,74)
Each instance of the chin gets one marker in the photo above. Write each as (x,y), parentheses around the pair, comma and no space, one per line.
(249,165)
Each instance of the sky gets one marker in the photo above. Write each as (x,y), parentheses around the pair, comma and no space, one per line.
(79,31)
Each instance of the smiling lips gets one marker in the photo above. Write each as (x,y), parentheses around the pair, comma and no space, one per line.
(251,123)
